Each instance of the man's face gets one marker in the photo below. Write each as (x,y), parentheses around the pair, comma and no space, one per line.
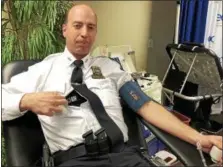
(80,31)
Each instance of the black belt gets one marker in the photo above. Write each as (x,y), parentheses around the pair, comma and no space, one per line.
(73,152)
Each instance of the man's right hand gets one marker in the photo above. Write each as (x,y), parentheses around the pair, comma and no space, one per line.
(43,103)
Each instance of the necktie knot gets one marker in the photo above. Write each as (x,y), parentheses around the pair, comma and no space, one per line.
(78,63)
(77,75)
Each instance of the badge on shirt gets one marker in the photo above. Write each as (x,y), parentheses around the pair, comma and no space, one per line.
(74,99)
(97,74)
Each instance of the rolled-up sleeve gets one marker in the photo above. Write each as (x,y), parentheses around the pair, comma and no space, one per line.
(12,92)
(10,105)
(118,75)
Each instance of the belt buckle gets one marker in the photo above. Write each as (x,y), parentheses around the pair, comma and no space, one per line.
(90,143)
(102,140)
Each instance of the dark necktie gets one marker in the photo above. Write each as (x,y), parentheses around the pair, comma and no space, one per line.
(77,75)
(73,98)
(114,133)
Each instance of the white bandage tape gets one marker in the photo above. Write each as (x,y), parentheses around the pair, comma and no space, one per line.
(216,154)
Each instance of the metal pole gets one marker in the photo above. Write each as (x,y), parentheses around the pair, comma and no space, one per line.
(171,62)
(176,38)
(188,73)
(191,98)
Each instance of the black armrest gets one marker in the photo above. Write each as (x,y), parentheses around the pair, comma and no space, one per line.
(185,152)
(23,140)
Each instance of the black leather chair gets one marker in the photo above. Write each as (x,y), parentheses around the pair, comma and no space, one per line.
(24,138)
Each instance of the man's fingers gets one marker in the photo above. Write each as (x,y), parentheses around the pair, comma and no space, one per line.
(59,102)
(47,113)
(206,150)
(57,95)
(56,108)
(217,141)
(50,114)
(52,94)
(51,110)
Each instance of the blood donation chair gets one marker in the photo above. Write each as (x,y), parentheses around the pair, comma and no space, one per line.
(24,138)
(193,84)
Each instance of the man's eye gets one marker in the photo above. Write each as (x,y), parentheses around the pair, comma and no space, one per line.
(77,26)
(91,27)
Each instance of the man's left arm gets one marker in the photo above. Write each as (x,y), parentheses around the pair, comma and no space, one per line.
(157,115)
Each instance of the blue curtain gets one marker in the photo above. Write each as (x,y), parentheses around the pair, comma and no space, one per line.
(193,14)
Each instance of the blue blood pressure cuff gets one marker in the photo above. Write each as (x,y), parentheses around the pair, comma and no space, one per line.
(132,94)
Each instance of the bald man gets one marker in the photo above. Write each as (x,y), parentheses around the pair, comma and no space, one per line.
(65,115)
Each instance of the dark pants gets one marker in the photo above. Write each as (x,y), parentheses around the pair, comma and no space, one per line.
(130,157)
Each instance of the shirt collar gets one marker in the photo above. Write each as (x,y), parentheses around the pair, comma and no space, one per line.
(70,58)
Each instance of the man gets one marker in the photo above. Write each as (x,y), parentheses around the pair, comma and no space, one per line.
(66,115)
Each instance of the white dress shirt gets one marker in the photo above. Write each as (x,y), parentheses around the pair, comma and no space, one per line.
(65,129)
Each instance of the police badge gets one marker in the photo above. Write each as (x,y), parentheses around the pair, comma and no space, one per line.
(74,99)
(97,74)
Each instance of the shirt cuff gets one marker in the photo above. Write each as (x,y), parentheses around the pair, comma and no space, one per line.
(11,109)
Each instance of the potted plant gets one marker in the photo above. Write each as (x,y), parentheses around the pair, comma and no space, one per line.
(31,30)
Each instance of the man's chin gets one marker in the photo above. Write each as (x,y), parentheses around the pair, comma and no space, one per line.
(81,53)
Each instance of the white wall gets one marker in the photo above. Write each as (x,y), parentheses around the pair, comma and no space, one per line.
(162,27)
(134,23)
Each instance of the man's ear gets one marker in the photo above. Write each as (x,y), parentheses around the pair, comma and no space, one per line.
(64,30)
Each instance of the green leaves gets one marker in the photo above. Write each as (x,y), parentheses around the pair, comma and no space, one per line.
(8,42)
(32,29)
(41,37)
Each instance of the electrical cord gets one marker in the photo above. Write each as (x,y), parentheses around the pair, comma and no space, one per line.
(199,148)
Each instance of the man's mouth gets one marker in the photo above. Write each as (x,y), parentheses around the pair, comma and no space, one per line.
(82,42)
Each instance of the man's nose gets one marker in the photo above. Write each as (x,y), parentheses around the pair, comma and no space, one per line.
(84,31)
